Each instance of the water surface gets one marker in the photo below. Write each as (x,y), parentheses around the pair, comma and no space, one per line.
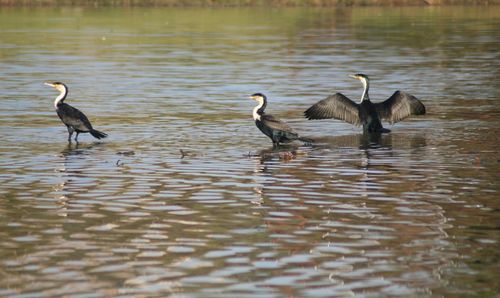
(412,213)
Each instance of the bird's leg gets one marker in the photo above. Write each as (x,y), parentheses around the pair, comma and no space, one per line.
(70,133)
(76,138)
(276,139)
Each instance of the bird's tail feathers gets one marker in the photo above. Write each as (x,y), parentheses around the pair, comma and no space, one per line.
(97,134)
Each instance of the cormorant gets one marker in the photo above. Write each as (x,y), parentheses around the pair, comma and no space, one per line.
(396,108)
(73,118)
(277,130)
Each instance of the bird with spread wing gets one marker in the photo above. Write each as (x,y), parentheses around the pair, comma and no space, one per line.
(396,108)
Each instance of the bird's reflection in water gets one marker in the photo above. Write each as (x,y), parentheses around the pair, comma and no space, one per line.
(374,155)
(72,149)
(73,165)
(73,170)
(366,143)
(371,141)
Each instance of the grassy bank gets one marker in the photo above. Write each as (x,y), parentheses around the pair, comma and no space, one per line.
(222,3)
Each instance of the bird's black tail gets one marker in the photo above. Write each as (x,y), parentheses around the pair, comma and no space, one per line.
(97,134)
(306,141)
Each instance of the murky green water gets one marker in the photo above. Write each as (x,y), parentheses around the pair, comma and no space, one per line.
(415,213)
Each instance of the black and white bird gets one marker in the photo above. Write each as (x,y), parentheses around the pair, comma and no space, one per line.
(74,119)
(277,130)
(396,108)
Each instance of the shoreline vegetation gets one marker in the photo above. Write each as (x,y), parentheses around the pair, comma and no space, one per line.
(239,3)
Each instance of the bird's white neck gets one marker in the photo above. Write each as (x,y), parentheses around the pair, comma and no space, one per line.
(60,98)
(366,86)
(259,109)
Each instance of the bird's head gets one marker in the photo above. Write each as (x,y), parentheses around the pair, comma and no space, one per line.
(360,76)
(57,85)
(258,97)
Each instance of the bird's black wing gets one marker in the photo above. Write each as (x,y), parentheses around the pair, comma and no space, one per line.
(399,106)
(336,106)
(275,123)
(73,117)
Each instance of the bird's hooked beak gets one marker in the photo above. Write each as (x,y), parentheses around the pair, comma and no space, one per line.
(49,84)
(252,97)
(354,76)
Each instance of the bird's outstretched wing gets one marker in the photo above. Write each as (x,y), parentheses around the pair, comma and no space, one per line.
(73,117)
(336,106)
(399,106)
(275,123)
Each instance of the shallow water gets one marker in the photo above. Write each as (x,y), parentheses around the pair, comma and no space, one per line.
(412,213)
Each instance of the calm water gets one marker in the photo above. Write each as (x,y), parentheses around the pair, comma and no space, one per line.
(414,213)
